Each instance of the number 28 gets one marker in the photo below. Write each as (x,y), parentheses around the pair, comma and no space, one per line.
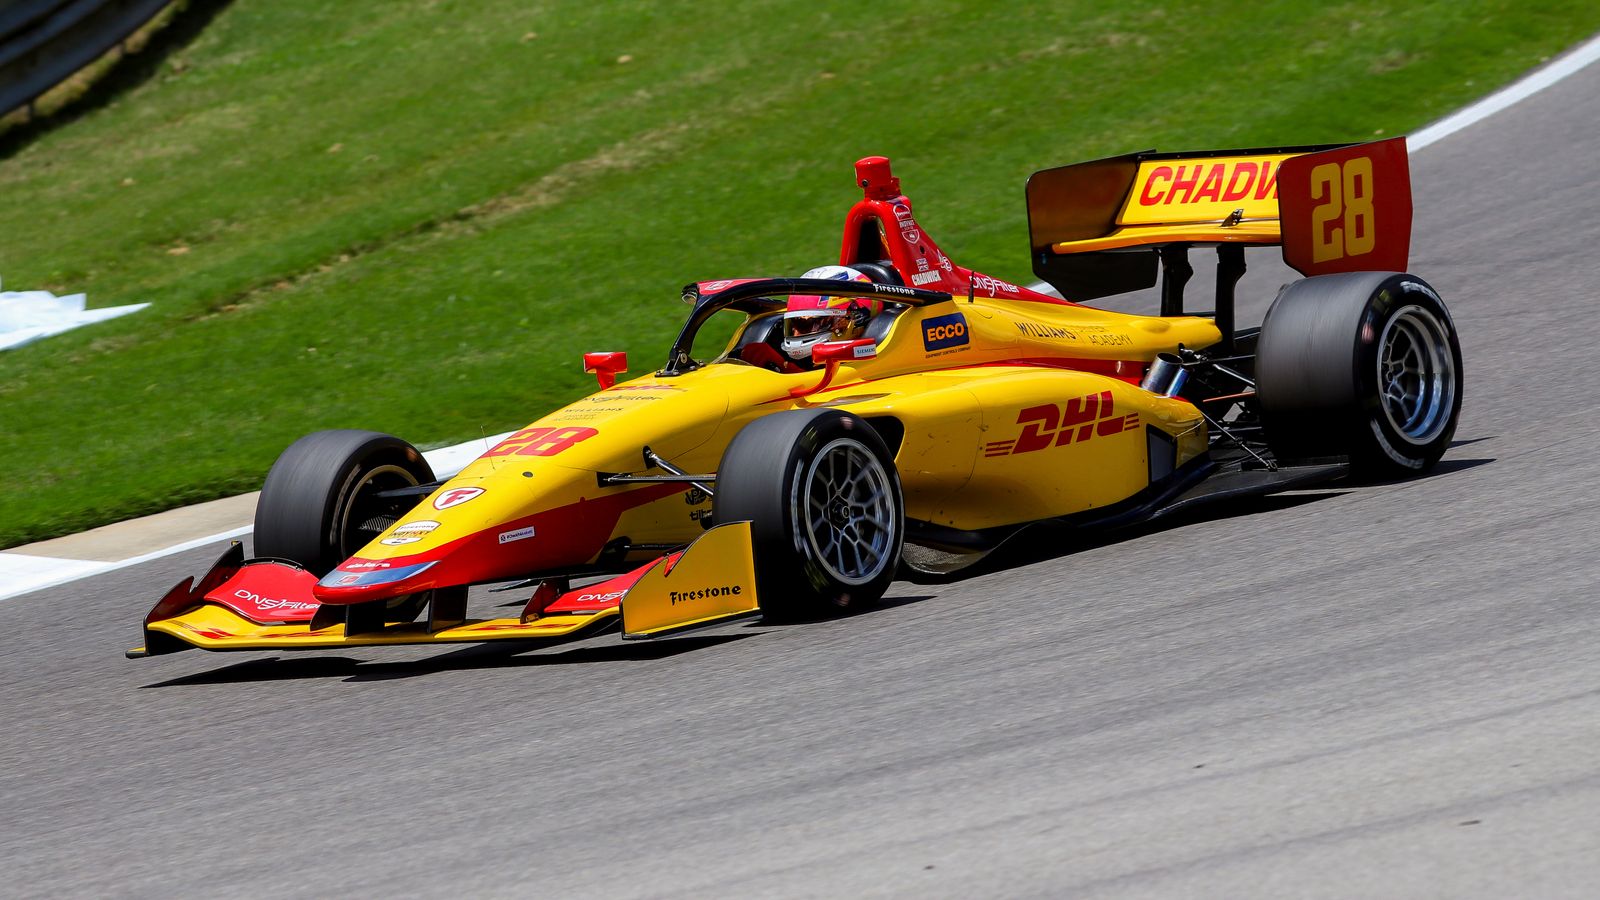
(1348,192)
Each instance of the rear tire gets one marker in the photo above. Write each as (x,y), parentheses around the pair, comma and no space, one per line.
(1361,364)
(318,504)
(827,520)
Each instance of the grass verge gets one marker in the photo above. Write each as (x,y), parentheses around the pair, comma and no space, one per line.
(413,216)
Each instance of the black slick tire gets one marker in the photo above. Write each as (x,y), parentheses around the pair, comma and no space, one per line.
(827,518)
(1365,365)
(319,506)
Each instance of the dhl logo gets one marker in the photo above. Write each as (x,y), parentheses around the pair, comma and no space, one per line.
(1078,420)
(1204,189)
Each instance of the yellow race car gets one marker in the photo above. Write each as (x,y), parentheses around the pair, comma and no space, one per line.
(900,415)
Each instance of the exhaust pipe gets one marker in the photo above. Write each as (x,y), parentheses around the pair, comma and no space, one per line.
(1166,375)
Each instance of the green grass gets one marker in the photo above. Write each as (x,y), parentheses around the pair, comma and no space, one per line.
(414,216)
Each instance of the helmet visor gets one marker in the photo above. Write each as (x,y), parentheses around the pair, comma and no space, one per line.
(811,322)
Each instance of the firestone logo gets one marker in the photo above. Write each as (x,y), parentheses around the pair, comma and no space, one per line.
(410,532)
(724,590)
(456,497)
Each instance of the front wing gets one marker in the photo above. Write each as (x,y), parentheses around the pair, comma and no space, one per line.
(267,605)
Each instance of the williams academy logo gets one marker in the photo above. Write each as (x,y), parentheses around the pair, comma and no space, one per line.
(944,332)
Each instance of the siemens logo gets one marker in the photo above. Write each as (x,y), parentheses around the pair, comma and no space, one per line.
(944,331)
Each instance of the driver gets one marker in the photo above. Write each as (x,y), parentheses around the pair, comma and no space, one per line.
(812,319)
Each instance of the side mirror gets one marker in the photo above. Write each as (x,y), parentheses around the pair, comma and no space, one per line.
(844,351)
(831,353)
(605,366)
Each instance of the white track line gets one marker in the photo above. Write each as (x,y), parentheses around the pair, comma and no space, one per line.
(460,454)
(22,573)
(1563,67)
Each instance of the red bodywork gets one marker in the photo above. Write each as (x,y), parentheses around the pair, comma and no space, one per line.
(916,257)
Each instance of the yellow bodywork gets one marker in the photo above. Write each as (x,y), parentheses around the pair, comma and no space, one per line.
(1000,365)
(714,581)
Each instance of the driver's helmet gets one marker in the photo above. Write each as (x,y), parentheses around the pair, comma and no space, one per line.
(812,319)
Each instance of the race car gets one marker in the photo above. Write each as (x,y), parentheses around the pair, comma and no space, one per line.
(962,409)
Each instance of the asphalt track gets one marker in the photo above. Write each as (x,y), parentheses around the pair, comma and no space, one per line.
(1388,690)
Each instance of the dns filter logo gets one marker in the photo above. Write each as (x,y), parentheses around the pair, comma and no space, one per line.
(944,332)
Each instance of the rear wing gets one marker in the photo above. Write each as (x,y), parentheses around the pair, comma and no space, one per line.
(1100,228)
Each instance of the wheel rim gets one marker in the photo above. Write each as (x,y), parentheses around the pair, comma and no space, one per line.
(850,516)
(1416,374)
(365,515)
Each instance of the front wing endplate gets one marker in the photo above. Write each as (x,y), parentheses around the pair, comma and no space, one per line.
(712,581)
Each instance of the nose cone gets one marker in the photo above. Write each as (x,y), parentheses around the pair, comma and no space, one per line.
(359,580)
(533,503)
(473,528)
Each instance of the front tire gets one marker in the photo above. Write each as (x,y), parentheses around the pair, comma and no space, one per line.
(1361,364)
(827,519)
(319,504)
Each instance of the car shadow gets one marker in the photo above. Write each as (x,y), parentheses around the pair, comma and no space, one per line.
(1045,542)
(883,605)
(502,655)
(497,655)
(1443,467)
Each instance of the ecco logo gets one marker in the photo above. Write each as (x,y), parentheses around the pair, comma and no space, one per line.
(944,331)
